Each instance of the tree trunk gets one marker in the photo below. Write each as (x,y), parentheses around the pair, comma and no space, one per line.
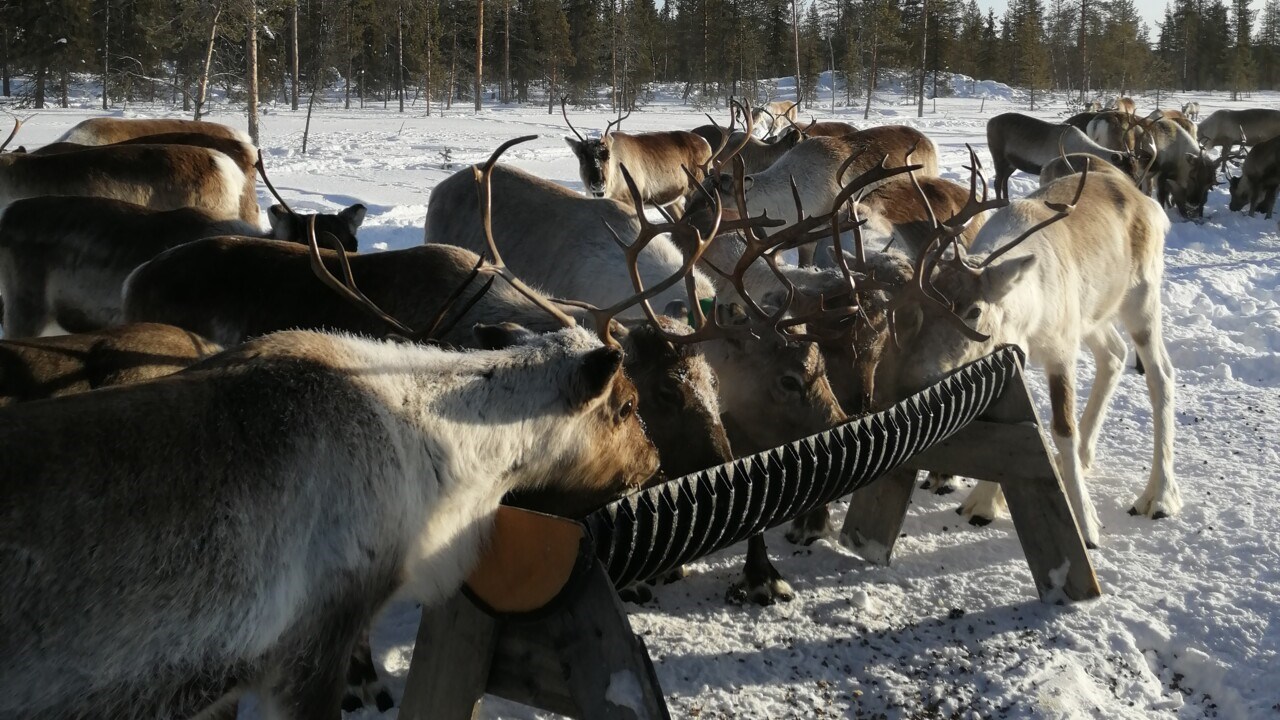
(400,53)
(65,81)
(41,71)
(106,53)
(430,42)
(795,38)
(251,71)
(871,81)
(613,56)
(346,90)
(453,69)
(924,54)
(479,53)
(506,50)
(1084,54)
(293,56)
(4,57)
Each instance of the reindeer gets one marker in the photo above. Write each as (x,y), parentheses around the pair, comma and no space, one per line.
(1124,105)
(1117,131)
(826,128)
(813,166)
(1183,172)
(41,368)
(1075,163)
(894,216)
(1259,179)
(1224,129)
(109,130)
(1021,142)
(770,119)
(1192,111)
(405,451)
(161,177)
(654,159)
(1048,278)
(1094,106)
(65,259)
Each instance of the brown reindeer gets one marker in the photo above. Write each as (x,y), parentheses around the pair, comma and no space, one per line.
(1022,142)
(108,130)
(161,177)
(825,128)
(655,161)
(1259,179)
(41,368)
(64,260)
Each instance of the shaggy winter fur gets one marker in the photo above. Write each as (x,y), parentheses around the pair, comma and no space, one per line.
(106,130)
(771,118)
(42,368)
(554,238)
(160,177)
(1223,128)
(1259,179)
(1184,175)
(1075,162)
(813,165)
(152,572)
(64,260)
(894,213)
(653,160)
(1068,284)
(1021,142)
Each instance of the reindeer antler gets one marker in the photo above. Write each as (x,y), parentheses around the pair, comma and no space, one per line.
(262,173)
(615,123)
(17,123)
(563,111)
(1060,210)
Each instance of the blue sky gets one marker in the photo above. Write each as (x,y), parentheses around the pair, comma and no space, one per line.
(1152,10)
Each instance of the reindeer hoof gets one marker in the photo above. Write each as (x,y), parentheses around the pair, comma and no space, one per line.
(638,593)
(979,521)
(1159,515)
(1090,545)
(765,594)
(1134,511)
(384,701)
(674,575)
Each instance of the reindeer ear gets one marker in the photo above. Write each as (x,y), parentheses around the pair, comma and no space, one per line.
(1002,277)
(726,182)
(747,182)
(678,309)
(593,378)
(279,219)
(502,335)
(908,321)
(574,145)
(354,216)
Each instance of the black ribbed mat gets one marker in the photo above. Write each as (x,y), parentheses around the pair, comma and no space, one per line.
(681,520)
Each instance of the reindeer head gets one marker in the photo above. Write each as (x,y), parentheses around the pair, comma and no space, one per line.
(1241,192)
(608,452)
(286,225)
(593,154)
(1197,176)
(680,396)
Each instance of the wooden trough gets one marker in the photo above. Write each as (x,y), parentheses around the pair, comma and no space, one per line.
(540,623)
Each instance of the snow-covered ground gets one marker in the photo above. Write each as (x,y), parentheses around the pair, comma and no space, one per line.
(1189,625)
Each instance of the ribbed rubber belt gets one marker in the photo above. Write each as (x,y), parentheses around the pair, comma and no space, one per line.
(668,525)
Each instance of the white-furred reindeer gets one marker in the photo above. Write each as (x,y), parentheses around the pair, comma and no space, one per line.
(771,118)
(1067,279)
(362,469)
(1192,111)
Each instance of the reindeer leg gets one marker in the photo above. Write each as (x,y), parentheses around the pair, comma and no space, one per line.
(1062,399)
(1141,314)
(983,504)
(810,527)
(939,483)
(761,582)
(311,678)
(362,679)
(1109,352)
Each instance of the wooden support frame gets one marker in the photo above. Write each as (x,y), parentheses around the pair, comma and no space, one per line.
(540,623)
(563,645)
(1004,445)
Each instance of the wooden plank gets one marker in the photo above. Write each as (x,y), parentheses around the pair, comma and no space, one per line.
(876,513)
(451,660)
(528,560)
(526,668)
(606,667)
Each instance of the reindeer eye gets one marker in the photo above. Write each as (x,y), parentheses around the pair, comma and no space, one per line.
(669,394)
(625,411)
(973,314)
(791,383)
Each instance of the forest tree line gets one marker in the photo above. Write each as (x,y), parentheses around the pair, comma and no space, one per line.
(425,53)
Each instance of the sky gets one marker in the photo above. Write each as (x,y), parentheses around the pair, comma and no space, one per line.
(1152,10)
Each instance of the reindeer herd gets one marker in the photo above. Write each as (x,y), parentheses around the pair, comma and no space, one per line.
(239,443)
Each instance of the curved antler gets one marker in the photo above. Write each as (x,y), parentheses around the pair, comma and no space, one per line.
(615,124)
(17,123)
(563,111)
